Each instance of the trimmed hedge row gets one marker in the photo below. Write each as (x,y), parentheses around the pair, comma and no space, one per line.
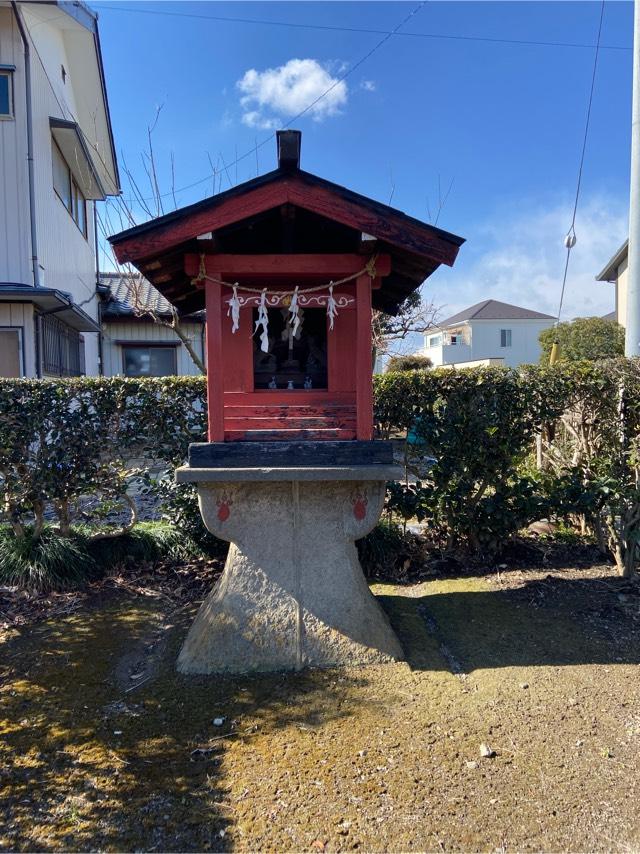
(64,439)
(482,427)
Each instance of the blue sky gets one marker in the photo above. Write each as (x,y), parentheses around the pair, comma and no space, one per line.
(503,121)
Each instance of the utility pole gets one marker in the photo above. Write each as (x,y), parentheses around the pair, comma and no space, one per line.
(632,337)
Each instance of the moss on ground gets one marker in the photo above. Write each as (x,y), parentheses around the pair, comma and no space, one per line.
(104,746)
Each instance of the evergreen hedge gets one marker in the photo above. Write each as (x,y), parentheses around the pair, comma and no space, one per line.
(470,449)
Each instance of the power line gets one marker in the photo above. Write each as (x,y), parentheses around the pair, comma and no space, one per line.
(334,28)
(310,106)
(570,239)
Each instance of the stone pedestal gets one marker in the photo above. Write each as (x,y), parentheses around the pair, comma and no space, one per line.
(293,593)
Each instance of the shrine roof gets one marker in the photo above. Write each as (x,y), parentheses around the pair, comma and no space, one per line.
(294,211)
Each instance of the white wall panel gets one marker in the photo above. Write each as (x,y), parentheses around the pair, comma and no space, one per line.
(15,249)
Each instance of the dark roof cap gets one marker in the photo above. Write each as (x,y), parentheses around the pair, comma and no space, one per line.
(289,142)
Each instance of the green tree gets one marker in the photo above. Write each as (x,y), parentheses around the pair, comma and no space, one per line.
(414,362)
(589,338)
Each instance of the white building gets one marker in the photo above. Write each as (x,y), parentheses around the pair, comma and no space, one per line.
(56,160)
(489,332)
(134,344)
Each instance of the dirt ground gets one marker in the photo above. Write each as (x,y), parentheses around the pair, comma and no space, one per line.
(104,746)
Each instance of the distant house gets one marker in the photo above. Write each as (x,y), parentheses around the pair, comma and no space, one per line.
(133,343)
(490,332)
(57,159)
(616,272)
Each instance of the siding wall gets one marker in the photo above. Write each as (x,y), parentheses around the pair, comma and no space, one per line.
(153,333)
(67,259)
(20,315)
(525,348)
(15,248)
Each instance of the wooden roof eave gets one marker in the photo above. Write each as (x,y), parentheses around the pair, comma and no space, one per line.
(280,187)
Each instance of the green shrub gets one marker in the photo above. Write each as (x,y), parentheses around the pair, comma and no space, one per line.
(179,503)
(148,542)
(585,338)
(61,440)
(415,362)
(65,439)
(479,426)
(384,551)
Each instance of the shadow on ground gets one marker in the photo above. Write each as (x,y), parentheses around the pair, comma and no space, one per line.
(467,624)
(93,756)
(104,746)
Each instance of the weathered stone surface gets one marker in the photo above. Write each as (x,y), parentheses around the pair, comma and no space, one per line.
(293,593)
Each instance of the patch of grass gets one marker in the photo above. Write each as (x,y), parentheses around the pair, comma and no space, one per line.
(148,541)
(48,562)
(52,562)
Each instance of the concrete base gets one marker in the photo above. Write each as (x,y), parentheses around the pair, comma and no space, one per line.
(293,593)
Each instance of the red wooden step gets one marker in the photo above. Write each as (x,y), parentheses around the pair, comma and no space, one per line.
(285,411)
(328,434)
(251,422)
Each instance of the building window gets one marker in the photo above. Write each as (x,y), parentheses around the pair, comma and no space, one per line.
(505,338)
(67,190)
(11,352)
(455,339)
(292,363)
(435,340)
(62,348)
(6,93)
(155,360)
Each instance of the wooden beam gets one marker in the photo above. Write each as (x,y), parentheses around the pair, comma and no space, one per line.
(297,265)
(397,230)
(215,379)
(364,369)
(184,226)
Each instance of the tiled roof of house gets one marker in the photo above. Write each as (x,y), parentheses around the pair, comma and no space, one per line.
(130,296)
(491,309)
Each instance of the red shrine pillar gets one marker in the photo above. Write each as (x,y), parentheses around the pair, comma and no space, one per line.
(364,380)
(215,378)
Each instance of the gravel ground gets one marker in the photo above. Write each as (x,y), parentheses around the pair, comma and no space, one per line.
(103,746)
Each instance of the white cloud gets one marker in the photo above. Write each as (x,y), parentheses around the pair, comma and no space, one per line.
(368,85)
(524,261)
(269,95)
(255,119)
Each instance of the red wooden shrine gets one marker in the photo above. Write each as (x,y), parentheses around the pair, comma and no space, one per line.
(286,230)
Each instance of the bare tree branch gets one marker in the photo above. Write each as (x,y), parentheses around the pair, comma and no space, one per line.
(415,316)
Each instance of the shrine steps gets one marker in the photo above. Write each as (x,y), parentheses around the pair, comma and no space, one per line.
(259,423)
(285,410)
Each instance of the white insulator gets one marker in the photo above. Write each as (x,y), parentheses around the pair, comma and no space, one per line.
(570,240)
